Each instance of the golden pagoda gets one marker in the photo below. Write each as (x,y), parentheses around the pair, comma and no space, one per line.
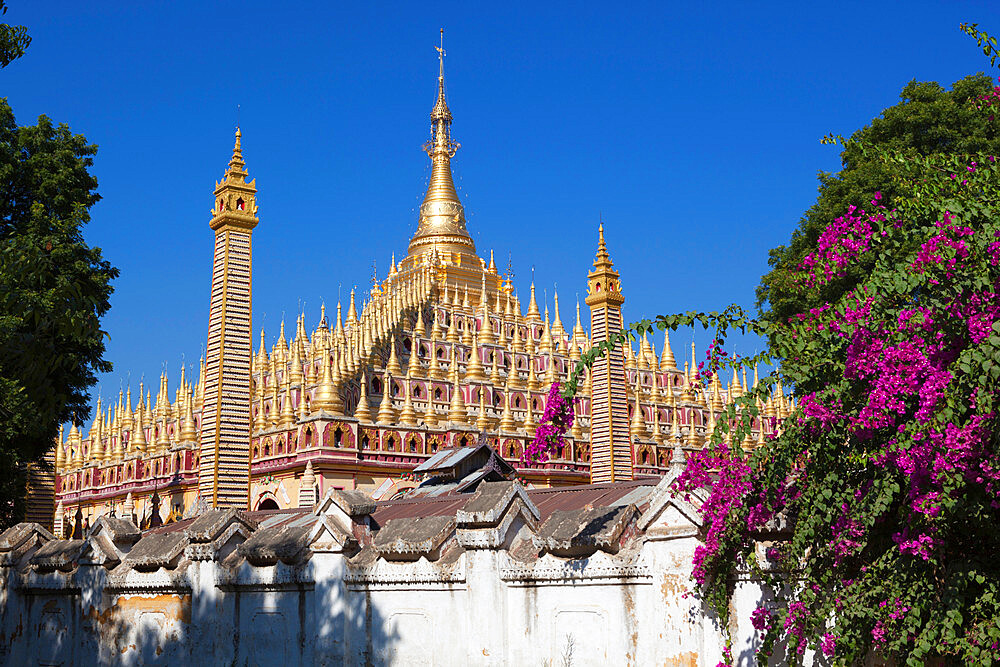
(440,354)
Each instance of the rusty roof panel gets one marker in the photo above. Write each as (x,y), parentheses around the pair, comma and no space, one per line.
(591,495)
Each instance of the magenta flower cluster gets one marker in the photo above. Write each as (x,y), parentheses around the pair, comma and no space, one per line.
(555,422)
(842,242)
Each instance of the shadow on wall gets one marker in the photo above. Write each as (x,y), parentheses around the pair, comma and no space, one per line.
(284,625)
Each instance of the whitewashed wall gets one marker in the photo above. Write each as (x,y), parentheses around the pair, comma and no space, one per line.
(476,605)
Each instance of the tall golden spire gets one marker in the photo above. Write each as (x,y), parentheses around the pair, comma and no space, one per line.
(442,218)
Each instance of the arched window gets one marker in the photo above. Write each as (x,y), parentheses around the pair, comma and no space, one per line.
(338,437)
(364,442)
(309,437)
(268,504)
(376,385)
(407,344)
(517,401)
(437,393)
(239,204)
(413,444)
(463,441)
(417,391)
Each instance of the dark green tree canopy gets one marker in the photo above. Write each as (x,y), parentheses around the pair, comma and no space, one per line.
(14,39)
(929,120)
(54,289)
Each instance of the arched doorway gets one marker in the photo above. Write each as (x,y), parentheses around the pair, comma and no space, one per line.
(268,504)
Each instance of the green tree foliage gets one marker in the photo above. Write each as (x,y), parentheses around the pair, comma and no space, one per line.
(14,39)
(929,120)
(54,289)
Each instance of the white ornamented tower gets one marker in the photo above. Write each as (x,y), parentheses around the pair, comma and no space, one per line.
(610,445)
(224,465)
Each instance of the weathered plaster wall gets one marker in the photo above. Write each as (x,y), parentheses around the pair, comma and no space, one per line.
(500,587)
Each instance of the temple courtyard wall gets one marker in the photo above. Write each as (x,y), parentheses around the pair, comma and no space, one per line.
(595,575)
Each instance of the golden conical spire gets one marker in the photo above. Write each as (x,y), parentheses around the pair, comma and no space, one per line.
(667,361)
(352,311)
(453,366)
(301,408)
(507,418)
(603,258)
(433,367)
(495,378)
(362,412)
(474,369)
(393,365)
(327,395)
(735,389)
(483,422)
(533,314)
(545,341)
(138,438)
(295,367)
(442,217)
(408,416)
(435,326)
(550,371)
(558,332)
(452,335)
(430,414)
(287,418)
(693,440)
(188,433)
(457,413)
(675,427)
(576,430)
(638,426)
(386,412)
(413,367)
(715,404)
(532,378)
(419,329)
(258,422)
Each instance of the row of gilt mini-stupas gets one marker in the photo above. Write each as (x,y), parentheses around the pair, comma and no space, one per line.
(441,354)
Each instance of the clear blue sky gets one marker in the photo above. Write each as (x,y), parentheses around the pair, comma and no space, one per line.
(692,128)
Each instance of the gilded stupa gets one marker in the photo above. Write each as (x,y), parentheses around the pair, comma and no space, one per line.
(439,353)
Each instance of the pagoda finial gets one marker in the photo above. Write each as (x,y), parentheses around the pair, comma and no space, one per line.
(235,198)
(603,258)
(441,224)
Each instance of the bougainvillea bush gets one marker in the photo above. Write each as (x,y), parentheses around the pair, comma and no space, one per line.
(887,474)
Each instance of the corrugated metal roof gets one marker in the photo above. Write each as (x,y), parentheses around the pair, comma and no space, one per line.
(593,495)
(432,462)
(408,508)
(446,458)
(547,500)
